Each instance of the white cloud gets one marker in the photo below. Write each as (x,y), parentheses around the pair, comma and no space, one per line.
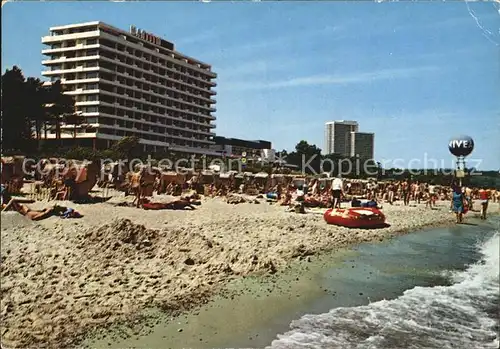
(253,67)
(259,67)
(353,78)
(252,47)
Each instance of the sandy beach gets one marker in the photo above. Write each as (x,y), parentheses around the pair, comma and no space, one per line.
(62,278)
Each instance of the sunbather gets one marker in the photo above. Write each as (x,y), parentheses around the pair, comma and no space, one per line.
(180,204)
(35,215)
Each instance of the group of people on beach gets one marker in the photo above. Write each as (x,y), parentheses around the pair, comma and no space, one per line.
(307,190)
(333,194)
(462,201)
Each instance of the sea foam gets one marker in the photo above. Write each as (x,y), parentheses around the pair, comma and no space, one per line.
(463,315)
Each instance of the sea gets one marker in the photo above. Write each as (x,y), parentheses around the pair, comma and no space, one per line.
(437,289)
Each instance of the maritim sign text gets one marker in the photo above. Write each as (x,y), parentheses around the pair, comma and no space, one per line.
(145,35)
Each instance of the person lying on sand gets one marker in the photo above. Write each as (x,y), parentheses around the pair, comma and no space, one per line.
(36,215)
(286,200)
(311,201)
(180,204)
(297,207)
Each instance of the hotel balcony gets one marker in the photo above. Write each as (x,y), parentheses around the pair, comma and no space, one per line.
(80,69)
(65,59)
(169,58)
(64,37)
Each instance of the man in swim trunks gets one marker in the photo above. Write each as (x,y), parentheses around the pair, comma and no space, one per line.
(337,187)
(484,197)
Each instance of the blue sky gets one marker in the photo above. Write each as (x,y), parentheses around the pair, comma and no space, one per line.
(415,73)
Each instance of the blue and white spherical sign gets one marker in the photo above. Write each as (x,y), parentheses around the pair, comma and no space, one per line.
(461,145)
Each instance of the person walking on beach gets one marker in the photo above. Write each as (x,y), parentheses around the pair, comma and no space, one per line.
(337,186)
(405,192)
(458,202)
(468,197)
(432,194)
(390,193)
(484,197)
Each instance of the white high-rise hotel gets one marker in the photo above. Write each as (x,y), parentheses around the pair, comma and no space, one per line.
(343,137)
(132,83)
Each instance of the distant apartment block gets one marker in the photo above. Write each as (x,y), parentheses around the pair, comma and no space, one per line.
(132,84)
(338,136)
(343,138)
(362,145)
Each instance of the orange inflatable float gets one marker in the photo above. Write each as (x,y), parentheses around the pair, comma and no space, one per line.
(356,217)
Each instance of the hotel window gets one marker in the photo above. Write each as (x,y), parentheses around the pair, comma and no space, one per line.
(91,75)
(91,120)
(92,98)
(91,41)
(90,109)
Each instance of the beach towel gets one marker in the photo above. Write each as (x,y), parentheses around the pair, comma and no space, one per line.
(71,213)
(272,196)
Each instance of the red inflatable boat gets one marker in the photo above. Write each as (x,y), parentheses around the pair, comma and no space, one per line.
(356,217)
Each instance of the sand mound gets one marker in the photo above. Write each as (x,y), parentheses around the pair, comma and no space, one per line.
(120,235)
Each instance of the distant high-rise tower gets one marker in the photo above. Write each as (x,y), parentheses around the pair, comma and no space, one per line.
(338,136)
(343,138)
(362,145)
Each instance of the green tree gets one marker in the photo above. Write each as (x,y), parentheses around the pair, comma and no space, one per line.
(35,93)
(305,154)
(16,130)
(127,147)
(58,105)
(74,119)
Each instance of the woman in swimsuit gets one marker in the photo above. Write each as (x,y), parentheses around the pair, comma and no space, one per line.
(458,203)
(35,215)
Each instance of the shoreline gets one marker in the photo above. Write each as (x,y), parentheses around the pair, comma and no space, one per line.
(263,307)
(177,268)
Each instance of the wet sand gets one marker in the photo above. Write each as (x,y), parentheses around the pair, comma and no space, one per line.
(247,313)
